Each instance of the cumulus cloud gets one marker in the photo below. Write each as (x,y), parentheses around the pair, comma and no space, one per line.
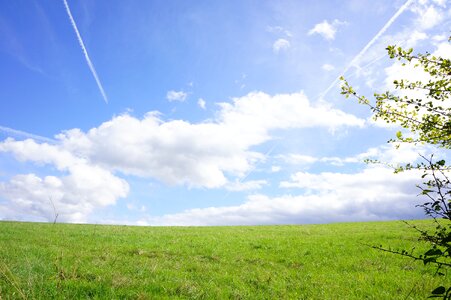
(327,30)
(429,14)
(81,189)
(203,154)
(259,111)
(176,96)
(197,155)
(280,44)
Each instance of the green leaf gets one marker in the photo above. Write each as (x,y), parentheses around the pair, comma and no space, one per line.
(425,192)
(441,162)
(432,252)
(438,291)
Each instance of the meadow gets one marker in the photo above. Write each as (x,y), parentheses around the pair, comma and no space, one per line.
(333,261)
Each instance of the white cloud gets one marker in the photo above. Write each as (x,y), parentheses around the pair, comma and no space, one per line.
(387,153)
(439,38)
(201,102)
(443,50)
(239,186)
(212,154)
(350,184)
(176,96)
(441,3)
(279,29)
(280,44)
(275,169)
(373,194)
(258,111)
(175,152)
(328,67)
(297,159)
(393,154)
(203,154)
(327,30)
(429,15)
(401,154)
(75,194)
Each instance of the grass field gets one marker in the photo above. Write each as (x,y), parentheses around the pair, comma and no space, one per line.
(63,261)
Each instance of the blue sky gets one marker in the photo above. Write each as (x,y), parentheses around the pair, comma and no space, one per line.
(204,112)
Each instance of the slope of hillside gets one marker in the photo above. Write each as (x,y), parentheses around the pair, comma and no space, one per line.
(43,261)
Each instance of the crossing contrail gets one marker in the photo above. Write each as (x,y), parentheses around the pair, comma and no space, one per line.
(370,43)
(85,52)
(27,135)
(352,63)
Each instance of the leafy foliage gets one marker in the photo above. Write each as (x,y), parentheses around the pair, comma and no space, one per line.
(427,120)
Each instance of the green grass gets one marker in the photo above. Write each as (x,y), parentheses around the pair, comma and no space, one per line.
(63,261)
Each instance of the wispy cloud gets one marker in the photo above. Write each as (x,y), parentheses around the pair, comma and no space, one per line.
(20,133)
(239,185)
(328,67)
(15,48)
(176,96)
(280,44)
(85,52)
(278,30)
(370,43)
(202,104)
(327,30)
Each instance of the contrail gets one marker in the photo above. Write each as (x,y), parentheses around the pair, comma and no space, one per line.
(85,52)
(21,133)
(370,43)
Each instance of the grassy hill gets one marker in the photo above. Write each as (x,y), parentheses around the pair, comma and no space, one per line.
(46,261)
